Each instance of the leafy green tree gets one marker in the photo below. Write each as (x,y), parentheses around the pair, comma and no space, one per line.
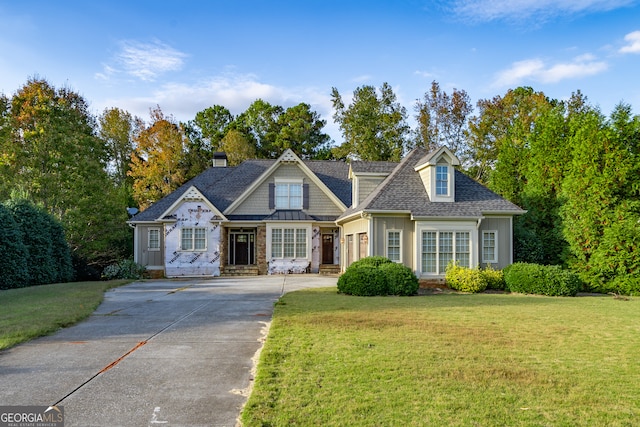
(117,128)
(213,123)
(13,262)
(156,162)
(60,163)
(374,125)
(301,131)
(259,123)
(442,119)
(237,147)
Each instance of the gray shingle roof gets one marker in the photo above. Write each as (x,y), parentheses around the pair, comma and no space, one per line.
(223,185)
(403,190)
(373,167)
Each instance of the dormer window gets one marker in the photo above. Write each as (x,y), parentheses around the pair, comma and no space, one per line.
(442,180)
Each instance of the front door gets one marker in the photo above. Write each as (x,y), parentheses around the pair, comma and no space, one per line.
(241,248)
(327,248)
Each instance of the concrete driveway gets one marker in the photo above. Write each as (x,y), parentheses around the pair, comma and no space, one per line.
(161,352)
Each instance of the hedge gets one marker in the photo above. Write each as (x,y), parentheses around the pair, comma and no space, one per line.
(549,280)
(377,276)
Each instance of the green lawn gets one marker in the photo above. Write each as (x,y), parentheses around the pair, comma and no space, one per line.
(27,313)
(448,360)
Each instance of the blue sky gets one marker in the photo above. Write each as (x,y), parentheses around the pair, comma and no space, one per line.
(188,55)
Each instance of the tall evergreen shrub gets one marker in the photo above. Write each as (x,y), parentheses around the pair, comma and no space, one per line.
(13,253)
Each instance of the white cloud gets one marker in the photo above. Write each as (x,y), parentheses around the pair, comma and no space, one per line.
(424,74)
(538,71)
(490,10)
(633,45)
(147,61)
(234,91)
(361,79)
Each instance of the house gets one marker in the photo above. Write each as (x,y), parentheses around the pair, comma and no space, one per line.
(296,216)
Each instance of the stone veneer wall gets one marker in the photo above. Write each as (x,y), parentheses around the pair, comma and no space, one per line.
(261,249)
(224,247)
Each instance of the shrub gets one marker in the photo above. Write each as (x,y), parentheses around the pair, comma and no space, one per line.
(125,269)
(13,262)
(363,280)
(400,279)
(377,276)
(465,279)
(373,261)
(494,278)
(538,279)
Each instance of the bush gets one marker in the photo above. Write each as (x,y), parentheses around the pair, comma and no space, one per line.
(400,279)
(377,276)
(362,280)
(465,279)
(125,269)
(373,261)
(494,278)
(14,272)
(538,279)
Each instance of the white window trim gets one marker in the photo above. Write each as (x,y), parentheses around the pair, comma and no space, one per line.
(149,248)
(193,239)
(469,227)
(288,183)
(448,169)
(307,227)
(495,249)
(386,244)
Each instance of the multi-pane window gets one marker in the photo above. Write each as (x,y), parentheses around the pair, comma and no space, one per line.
(154,239)
(193,239)
(288,195)
(489,247)
(393,245)
(288,242)
(439,248)
(442,180)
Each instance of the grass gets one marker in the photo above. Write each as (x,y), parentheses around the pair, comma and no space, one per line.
(448,360)
(36,311)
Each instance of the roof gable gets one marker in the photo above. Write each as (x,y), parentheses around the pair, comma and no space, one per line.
(191,194)
(287,157)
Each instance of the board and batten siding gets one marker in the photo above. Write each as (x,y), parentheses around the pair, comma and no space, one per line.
(503,225)
(258,202)
(382,224)
(144,256)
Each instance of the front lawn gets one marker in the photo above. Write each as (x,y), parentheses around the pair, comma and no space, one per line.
(448,360)
(27,313)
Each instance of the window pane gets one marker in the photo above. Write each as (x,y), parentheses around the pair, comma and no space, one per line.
(289,242)
(187,239)
(276,243)
(462,249)
(428,251)
(154,239)
(282,196)
(295,196)
(200,240)
(489,246)
(446,249)
(393,245)
(442,180)
(301,243)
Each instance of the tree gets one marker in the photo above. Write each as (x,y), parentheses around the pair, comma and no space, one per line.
(442,119)
(301,131)
(117,128)
(48,255)
(213,123)
(59,163)
(237,147)
(499,139)
(260,124)
(374,125)
(156,162)
(13,262)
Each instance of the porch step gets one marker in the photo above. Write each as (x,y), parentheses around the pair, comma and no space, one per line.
(329,269)
(239,270)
